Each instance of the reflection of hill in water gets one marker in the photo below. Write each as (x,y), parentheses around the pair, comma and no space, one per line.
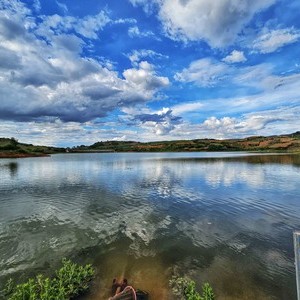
(12,167)
(288,159)
(271,159)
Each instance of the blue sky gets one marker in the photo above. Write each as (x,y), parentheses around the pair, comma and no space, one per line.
(77,72)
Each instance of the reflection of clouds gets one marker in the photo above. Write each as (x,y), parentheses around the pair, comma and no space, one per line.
(62,228)
(238,242)
(228,174)
(59,205)
(134,223)
(177,173)
(162,180)
(205,232)
(230,222)
(185,179)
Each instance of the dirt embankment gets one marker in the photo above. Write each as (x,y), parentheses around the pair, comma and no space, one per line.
(20,155)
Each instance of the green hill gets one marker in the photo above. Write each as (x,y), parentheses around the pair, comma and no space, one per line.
(280,143)
(10,148)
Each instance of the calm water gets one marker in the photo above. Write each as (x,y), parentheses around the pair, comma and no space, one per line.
(223,218)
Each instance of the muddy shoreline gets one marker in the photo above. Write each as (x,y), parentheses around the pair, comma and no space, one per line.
(21,155)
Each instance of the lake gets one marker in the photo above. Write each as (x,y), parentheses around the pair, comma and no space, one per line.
(224,218)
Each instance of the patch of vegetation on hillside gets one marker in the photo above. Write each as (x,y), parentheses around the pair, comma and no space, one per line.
(12,148)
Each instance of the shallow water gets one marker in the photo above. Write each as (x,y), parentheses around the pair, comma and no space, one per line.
(225,218)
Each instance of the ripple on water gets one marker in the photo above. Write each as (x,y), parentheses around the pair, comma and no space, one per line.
(224,221)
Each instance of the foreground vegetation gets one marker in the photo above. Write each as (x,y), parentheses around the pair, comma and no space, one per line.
(185,289)
(70,280)
(281,143)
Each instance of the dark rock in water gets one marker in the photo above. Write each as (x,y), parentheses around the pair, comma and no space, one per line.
(142,295)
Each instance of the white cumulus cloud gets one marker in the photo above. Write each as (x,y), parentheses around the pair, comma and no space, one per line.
(134,31)
(144,78)
(187,107)
(88,27)
(147,5)
(235,57)
(136,56)
(271,40)
(53,77)
(204,72)
(216,22)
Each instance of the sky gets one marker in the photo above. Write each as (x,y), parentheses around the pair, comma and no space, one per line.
(76,72)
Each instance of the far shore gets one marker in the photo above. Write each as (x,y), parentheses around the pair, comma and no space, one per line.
(288,143)
(4,155)
(21,155)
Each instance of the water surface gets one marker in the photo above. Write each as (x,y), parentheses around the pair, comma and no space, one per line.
(226,218)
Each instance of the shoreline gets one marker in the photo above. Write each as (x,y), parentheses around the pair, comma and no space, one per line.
(28,155)
(21,155)
(268,151)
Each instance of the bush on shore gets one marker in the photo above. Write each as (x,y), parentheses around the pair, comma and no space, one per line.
(70,280)
(185,289)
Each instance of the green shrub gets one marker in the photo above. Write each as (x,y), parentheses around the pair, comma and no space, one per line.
(70,280)
(216,147)
(185,289)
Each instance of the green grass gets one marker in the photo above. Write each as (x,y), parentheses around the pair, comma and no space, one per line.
(185,289)
(70,280)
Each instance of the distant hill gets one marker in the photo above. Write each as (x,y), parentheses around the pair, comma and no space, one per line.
(10,148)
(279,143)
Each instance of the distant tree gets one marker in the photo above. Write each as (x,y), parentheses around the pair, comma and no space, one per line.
(14,141)
(13,145)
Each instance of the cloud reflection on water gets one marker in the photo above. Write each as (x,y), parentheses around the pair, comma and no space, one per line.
(176,210)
